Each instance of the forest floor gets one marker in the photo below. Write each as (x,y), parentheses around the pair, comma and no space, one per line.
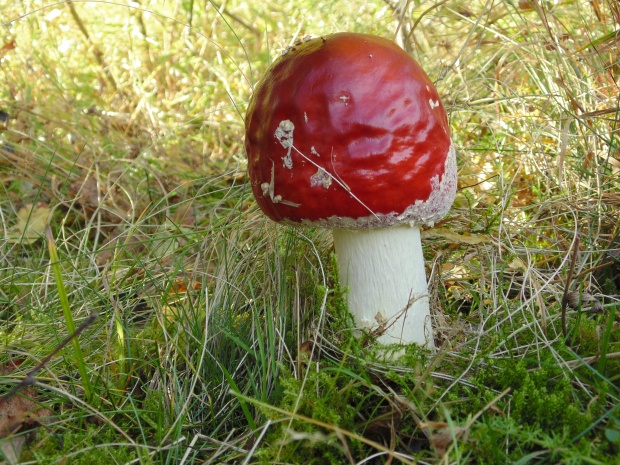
(150,313)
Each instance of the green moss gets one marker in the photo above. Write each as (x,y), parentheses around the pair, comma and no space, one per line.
(80,447)
(328,396)
(542,397)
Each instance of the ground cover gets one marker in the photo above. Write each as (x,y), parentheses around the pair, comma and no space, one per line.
(207,334)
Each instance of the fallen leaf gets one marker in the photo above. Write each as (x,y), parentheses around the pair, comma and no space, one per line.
(86,193)
(612,435)
(30,224)
(10,45)
(10,366)
(17,412)
(442,439)
(181,286)
(517,264)
(615,165)
(306,348)
(432,425)
(12,449)
(20,416)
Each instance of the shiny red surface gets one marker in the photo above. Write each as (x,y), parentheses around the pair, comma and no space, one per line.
(362,111)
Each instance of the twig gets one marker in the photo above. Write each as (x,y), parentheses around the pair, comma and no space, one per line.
(29,380)
(569,279)
(572,364)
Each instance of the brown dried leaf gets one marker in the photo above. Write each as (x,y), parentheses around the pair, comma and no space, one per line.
(517,264)
(30,224)
(432,425)
(12,449)
(10,45)
(578,299)
(17,411)
(442,439)
(86,193)
(19,414)
(306,349)
(181,286)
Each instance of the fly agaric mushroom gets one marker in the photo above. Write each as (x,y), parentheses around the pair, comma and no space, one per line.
(348,132)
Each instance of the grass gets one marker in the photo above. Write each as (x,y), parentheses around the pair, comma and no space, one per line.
(223,338)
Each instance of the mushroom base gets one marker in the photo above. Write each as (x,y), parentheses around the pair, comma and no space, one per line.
(384,272)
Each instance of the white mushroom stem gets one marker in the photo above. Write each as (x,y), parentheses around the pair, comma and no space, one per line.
(384,272)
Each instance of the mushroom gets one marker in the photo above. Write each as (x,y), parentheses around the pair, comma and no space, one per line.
(347,132)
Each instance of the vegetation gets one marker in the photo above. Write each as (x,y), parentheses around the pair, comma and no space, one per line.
(220,337)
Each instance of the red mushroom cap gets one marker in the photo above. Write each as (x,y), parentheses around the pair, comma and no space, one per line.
(347,130)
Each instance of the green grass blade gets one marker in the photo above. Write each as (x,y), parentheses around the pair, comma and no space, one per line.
(66,310)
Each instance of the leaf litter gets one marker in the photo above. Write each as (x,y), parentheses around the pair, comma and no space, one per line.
(20,416)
